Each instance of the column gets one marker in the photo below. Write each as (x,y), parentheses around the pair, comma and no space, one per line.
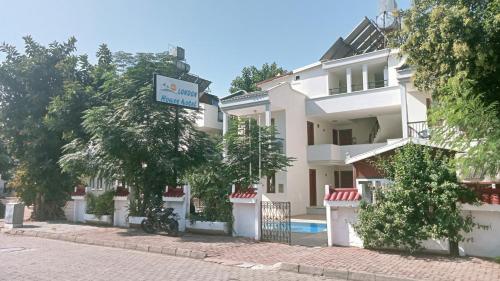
(225,122)
(268,115)
(365,77)
(404,108)
(225,128)
(348,79)
(386,76)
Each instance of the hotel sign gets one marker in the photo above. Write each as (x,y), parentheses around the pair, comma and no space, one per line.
(176,92)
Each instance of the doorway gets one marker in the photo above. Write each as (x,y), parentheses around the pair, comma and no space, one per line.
(310,133)
(345,137)
(312,187)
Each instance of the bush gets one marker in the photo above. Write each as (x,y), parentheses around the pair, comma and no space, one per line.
(2,210)
(210,184)
(419,204)
(100,205)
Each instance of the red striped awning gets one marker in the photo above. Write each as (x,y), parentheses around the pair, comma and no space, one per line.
(343,194)
(249,193)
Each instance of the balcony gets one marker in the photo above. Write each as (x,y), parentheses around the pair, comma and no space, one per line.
(210,118)
(373,101)
(419,130)
(331,154)
(358,87)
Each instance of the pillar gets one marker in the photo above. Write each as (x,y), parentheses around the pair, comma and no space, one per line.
(348,77)
(386,76)
(179,204)
(246,213)
(268,115)
(120,214)
(80,208)
(404,108)
(225,128)
(365,77)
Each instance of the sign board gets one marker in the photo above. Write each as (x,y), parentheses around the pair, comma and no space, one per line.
(176,92)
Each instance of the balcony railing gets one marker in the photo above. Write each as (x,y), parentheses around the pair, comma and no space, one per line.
(419,130)
(358,87)
(377,84)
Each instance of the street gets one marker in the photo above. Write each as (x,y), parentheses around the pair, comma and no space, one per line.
(27,258)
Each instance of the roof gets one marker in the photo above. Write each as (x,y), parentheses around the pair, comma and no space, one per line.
(343,194)
(273,78)
(390,147)
(249,193)
(174,192)
(366,37)
(242,94)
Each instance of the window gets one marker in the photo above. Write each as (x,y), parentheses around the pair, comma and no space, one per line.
(281,188)
(297,77)
(271,184)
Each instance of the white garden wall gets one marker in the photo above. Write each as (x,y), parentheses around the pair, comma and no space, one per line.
(480,242)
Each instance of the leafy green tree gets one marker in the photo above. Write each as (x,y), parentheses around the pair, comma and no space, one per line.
(211,184)
(251,75)
(453,45)
(5,162)
(135,139)
(28,84)
(253,151)
(419,204)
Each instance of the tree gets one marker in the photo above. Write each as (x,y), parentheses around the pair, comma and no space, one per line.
(5,162)
(420,202)
(135,139)
(253,151)
(211,185)
(251,75)
(453,45)
(28,84)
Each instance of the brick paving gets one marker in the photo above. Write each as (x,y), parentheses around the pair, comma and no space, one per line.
(239,250)
(26,258)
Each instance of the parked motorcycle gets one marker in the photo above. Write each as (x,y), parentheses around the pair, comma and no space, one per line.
(161,219)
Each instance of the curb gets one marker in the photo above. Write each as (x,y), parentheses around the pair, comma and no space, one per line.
(336,273)
(202,255)
(171,251)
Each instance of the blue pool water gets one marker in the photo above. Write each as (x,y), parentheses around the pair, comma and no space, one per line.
(305,227)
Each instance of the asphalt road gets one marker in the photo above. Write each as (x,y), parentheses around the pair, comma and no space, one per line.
(29,258)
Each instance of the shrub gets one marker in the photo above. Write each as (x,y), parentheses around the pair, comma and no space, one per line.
(2,210)
(100,205)
(421,202)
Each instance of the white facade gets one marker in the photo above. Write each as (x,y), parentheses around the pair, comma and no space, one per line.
(349,105)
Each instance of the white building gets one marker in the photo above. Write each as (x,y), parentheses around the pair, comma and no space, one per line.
(355,99)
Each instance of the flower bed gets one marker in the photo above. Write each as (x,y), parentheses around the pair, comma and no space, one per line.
(105,219)
(208,227)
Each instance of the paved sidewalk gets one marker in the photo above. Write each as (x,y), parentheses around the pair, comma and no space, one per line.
(229,250)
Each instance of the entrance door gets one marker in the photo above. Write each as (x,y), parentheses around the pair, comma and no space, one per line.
(345,137)
(346,179)
(335,136)
(310,133)
(312,187)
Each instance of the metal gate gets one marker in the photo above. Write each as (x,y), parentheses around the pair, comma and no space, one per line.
(275,222)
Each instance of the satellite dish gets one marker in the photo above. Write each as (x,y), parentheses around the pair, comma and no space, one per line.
(387,18)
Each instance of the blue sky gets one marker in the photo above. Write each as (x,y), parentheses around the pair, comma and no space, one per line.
(220,37)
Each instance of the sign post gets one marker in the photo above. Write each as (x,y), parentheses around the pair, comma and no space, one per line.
(177,93)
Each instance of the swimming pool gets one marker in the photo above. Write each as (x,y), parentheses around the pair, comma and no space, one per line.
(306,227)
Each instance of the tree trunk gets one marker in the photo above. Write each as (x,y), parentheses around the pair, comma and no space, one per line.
(454,252)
